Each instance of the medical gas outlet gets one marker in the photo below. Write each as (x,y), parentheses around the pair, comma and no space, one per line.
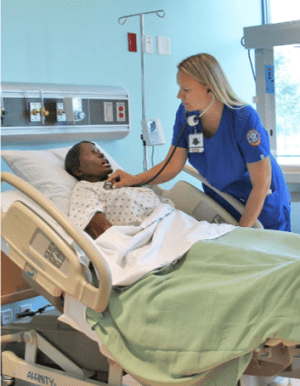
(37,112)
(60,113)
(73,109)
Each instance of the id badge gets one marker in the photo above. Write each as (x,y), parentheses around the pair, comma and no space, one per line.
(196,144)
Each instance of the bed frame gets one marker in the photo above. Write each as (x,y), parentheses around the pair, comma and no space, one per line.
(21,222)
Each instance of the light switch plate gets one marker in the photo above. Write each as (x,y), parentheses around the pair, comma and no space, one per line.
(163,45)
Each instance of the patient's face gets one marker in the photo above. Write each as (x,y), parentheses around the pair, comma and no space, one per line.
(93,165)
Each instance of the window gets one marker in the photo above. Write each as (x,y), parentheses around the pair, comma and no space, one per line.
(287,85)
(280,11)
(287,103)
(277,62)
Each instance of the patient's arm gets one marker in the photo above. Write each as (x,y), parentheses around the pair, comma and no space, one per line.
(98,225)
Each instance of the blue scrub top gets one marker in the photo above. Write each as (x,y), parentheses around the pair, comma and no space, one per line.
(240,139)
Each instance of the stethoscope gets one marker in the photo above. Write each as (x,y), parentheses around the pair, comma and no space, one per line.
(192,121)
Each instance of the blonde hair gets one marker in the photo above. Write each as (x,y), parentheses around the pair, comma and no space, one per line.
(207,70)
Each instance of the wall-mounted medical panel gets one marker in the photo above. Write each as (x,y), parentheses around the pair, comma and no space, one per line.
(45,112)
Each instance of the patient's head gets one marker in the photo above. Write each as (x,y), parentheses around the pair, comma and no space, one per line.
(85,162)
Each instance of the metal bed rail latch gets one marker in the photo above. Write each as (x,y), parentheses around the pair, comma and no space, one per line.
(6,380)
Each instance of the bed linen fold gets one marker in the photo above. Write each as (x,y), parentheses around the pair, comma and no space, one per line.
(166,235)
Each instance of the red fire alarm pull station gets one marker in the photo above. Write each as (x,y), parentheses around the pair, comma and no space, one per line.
(132,42)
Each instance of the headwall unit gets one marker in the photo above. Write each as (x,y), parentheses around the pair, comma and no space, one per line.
(32,112)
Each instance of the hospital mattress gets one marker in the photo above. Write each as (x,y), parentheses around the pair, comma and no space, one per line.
(201,317)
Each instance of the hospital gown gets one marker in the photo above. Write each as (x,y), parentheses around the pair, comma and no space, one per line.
(125,206)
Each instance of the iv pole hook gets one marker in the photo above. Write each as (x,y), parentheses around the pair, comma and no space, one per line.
(139,14)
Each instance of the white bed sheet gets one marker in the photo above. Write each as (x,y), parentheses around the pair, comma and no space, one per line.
(166,235)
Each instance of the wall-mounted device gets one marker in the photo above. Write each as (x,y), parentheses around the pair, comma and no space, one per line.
(152,132)
(50,112)
(270,86)
(73,109)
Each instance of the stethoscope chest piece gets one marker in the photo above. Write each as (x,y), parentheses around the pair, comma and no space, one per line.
(107,185)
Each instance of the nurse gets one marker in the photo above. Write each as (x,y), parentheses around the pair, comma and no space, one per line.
(226,143)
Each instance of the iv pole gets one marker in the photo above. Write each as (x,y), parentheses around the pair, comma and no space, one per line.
(120,20)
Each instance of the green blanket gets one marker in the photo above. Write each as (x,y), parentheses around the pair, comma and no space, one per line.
(222,300)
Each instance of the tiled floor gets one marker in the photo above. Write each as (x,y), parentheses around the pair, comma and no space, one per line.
(295,382)
(269,381)
(285,382)
(128,381)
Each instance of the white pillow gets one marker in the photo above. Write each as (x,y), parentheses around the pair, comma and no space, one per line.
(44,170)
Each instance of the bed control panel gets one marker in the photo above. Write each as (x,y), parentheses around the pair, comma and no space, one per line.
(49,250)
(34,112)
(38,250)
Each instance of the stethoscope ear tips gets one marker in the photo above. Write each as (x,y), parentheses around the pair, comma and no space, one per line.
(193,120)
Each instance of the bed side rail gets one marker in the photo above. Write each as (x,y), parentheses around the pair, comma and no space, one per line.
(45,256)
(194,202)
(231,200)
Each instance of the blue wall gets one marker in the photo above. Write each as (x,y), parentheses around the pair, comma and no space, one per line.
(81,42)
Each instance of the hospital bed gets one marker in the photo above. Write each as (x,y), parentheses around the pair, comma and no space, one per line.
(37,236)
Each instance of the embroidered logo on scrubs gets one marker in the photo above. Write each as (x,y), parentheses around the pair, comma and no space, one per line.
(253,137)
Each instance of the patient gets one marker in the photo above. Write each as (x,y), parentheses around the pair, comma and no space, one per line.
(94,208)
(140,231)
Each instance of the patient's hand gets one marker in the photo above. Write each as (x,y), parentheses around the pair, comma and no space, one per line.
(120,178)
(98,225)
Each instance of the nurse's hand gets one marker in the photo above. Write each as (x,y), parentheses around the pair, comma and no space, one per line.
(120,178)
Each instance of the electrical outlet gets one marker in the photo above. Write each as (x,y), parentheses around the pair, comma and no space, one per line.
(121,113)
(148,45)
(24,307)
(108,112)
(6,317)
